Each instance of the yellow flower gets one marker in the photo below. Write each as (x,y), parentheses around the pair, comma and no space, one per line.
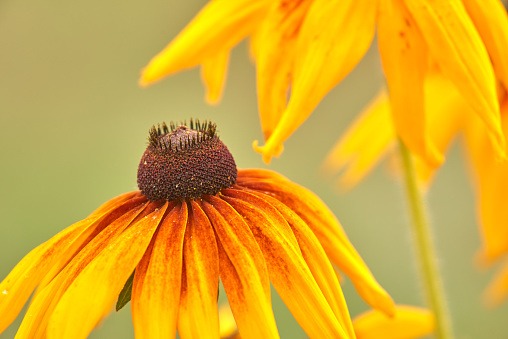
(195,219)
(307,47)
(373,137)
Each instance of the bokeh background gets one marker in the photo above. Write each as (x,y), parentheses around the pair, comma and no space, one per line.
(74,125)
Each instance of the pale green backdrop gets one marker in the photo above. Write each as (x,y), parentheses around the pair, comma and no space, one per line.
(74,125)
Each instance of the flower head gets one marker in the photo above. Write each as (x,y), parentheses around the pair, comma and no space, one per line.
(307,47)
(195,219)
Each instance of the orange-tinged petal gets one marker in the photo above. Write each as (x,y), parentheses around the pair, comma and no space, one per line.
(219,26)
(275,52)
(327,229)
(288,271)
(95,290)
(491,21)
(458,49)
(157,281)
(242,270)
(497,291)
(197,316)
(333,38)
(364,144)
(213,74)
(108,205)
(409,322)
(404,57)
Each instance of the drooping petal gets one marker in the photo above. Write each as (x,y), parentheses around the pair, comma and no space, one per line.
(157,281)
(497,290)
(409,322)
(197,316)
(228,326)
(404,57)
(219,26)
(115,202)
(213,75)
(94,291)
(274,59)
(333,38)
(364,144)
(242,270)
(491,21)
(288,271)
(458,49)
(327,229)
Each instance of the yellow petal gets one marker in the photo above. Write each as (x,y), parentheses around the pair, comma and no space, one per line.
(404,57)
(288,271)
(497,291)
(333,38)
(197,317)
(409,322)
(213,74)
(491,21)
(364,144)
(242,271)
(327,229)
(274,59)
(317,261)
(228,326)
(95,290)
(219,26)
(458,49)
(157,281)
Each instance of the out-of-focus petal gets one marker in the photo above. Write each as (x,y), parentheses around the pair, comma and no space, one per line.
(364,144)
(497,291)
(491,21)
(334,36)
(327,229)
(274,62)
(288,271)
(94,291)
(409,322)
(219,26)
(157,281)
(404,57)
(213,74)
(242,271)
(319,264)
(458,49)
(228,326)
(197,317)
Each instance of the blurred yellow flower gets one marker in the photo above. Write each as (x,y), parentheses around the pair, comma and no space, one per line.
(308,46)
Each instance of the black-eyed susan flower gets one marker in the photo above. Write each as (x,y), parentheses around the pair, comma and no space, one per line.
(307,47)
(372,137)
(196,219)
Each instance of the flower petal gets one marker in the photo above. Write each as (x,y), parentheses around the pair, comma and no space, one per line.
(404,57)
(242,271)
(219,26)
(333,38)
(288,270)
(213,74)
(409,322)
(94,291)
(458,49)
(157,280)
(327,229)
(197,316)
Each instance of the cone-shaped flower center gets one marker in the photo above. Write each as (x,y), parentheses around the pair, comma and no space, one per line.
(185,163)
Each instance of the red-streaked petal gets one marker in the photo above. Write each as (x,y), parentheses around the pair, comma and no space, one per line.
(157,281)
(334,37)
(213,75)
(288,271)
(197,316)
(249,173)
(242,270)
(409,322)
(327,229)
(219,26)
(95,290)
(116,201)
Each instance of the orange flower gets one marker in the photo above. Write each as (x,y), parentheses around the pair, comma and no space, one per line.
(195,219)
(307,47)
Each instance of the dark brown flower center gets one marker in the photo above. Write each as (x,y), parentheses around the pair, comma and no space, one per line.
(185,163)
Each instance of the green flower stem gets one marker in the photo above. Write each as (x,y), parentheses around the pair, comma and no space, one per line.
(429,270)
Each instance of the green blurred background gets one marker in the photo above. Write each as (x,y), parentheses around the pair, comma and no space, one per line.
(74,125)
